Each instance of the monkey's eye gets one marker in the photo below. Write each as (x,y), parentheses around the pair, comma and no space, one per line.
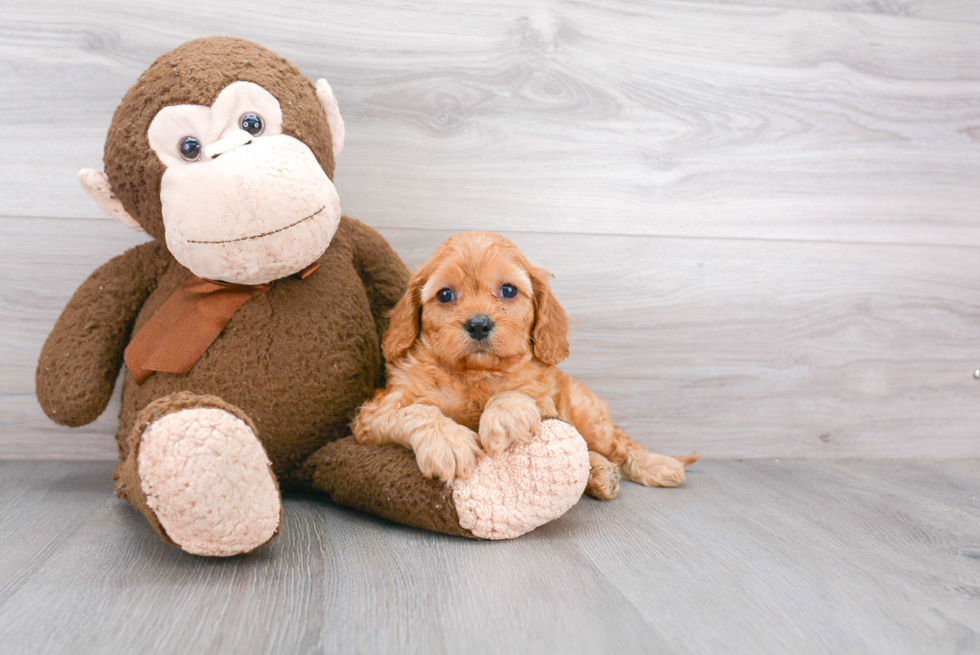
(508,291)
(445,295)
(251,123)
(190,148)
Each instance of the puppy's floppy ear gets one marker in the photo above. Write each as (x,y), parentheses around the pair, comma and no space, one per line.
(406,319)
(549,336)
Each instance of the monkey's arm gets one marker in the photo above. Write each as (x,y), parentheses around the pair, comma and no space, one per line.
(80,360)
(384,275)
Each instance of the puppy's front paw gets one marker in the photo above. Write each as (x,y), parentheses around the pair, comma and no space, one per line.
(508,418)
(448,452)
(653,470)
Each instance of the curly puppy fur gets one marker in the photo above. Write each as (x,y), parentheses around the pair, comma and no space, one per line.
(472,350)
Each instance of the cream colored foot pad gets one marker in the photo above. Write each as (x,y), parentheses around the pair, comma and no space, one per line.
(207,478)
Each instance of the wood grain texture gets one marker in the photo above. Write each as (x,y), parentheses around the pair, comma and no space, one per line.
(684,119)
(734,348)
(748,557)
(42,505)
(966,11)
(763,214)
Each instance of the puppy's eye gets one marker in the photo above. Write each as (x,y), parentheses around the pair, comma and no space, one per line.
(190,148)
(508,291)
(445,295)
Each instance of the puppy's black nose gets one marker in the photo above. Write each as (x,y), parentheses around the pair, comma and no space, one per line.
(479,326)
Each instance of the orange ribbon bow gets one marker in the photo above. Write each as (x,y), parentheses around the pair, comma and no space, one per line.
(180,332)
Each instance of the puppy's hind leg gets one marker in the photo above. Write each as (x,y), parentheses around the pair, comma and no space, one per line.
(651,469)
(636,464)
(590,414)
(603,477)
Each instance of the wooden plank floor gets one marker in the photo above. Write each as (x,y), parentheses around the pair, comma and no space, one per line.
(749,557)
(762,212)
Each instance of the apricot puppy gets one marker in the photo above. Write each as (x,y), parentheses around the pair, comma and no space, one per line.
(472,353)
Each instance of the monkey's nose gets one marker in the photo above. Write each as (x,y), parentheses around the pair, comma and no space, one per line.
(230,142)
(479,327)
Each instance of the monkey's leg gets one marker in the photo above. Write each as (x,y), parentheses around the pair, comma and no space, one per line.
(196,470)
(510,493)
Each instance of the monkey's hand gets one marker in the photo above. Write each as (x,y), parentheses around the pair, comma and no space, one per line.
(81,358)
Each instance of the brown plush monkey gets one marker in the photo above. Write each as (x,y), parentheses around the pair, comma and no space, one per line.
(251,323)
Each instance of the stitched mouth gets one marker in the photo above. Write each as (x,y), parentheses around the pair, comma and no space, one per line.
(265,234)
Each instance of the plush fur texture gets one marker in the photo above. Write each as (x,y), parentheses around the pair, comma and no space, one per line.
(384,481)
(207,478)
(194,74)
(298,359)
(509,494)
(137,486)
(250,208)
(514,491)
(451,395)
(80,360)
(202,453)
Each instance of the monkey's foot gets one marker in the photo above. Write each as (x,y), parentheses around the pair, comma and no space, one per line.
(207,479)
(529,484)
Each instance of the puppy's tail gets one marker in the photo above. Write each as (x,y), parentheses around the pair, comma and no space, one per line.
(688,460)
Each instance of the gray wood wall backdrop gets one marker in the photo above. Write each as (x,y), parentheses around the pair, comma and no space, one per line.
(764,214)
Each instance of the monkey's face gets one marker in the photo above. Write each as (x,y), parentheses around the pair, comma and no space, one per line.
(242,202)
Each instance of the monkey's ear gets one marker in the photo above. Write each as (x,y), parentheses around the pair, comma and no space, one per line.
(96,185)
(329,103)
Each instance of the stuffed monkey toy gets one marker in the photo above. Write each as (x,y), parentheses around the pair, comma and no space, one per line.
(251,322)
